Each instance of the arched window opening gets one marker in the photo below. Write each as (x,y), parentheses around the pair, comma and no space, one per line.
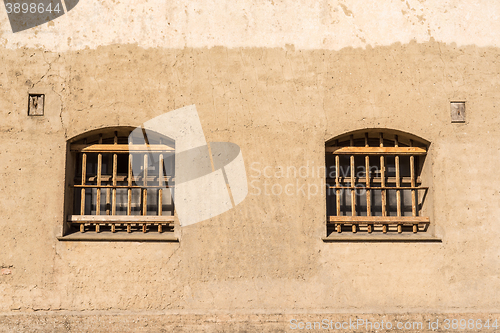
(122,183)
(374,184)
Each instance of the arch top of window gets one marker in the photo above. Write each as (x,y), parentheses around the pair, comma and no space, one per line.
(121,135)
(373,137)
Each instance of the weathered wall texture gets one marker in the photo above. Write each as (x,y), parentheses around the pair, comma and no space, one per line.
(326,24)
(279,105)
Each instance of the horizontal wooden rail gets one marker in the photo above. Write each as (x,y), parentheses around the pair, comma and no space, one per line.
(108,178)
(410,220)
(376,150)
(119,219)
(362,179)
(378,188)
(120,148)
(121,186)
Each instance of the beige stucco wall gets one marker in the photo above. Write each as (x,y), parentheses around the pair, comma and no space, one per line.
(279,103)
(326,24)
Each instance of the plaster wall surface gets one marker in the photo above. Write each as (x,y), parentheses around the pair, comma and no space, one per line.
(326,24)
(280,103)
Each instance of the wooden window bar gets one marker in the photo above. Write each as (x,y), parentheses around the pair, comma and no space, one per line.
(337,191)
(120,148)
(110,219)
(373,180)
(353,191)
(376,150)
(160,191)
(145,190)
(362,187)
(380,220)
(398,185)
(102,220)
(368,184)
(115,166)
(98,196)
(82,192)
(413,200)
(118,186)
(382,176)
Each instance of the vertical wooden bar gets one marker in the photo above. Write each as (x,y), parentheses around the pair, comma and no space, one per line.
(337,189)
(129,184)
(108,199)
(337,186)
(160,190)
(413,184)
(82,199)
(383,193)
(160,202)
(398,185)
(145,190)
(161,181)
(129,190)
(367,185)
(99,168)
(115,167)
(145,174)
(98,199)
(108,191)
(84,176)
(113,197)
(353,192)
(145,180)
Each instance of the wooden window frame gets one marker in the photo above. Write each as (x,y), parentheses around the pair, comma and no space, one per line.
(384,227)
(108,225)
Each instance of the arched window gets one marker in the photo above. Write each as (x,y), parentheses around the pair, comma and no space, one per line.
(374,183)
(120,184)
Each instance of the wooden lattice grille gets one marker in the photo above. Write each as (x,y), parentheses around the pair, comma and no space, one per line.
(374,184)
(109,196)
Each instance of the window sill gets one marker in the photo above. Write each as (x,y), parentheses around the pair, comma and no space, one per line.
(120,237)
(408,237)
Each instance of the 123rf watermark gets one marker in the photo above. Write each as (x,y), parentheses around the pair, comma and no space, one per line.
(369,325)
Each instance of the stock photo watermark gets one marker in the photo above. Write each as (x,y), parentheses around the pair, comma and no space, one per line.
(443,324)
(293,180)
(210,178)
(26,14)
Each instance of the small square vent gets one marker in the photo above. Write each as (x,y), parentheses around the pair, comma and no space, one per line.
(457,112)
(35,106)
